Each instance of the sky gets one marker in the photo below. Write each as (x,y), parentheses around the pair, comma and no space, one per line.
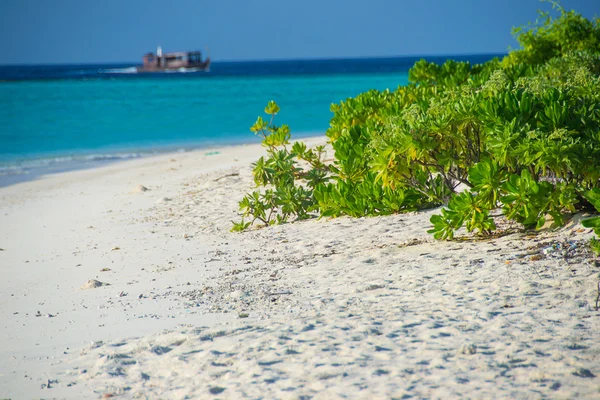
(114,31)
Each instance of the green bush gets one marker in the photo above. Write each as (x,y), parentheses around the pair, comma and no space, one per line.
(549,38)
(521,134)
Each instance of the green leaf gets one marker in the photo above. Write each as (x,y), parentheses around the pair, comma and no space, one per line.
(593,196)
(595,245)
(540,223)
(591,222)
(259,125)
(239,226)
(272,108)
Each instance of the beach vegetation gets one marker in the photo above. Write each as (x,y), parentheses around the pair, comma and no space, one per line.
(593,196)
(552,38)
(520,135)
(287,175)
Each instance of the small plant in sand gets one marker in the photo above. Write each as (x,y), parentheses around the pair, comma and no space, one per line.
(288,175)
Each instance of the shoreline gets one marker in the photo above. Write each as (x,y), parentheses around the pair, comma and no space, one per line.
(32,167)
(362,308)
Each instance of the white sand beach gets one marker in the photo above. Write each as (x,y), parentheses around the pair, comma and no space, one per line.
(363,308)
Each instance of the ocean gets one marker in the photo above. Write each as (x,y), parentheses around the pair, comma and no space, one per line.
(61,117)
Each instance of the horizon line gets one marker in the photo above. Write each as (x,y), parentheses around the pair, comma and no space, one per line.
(260,60)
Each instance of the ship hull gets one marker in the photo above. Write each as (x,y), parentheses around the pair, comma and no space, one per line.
(199,67)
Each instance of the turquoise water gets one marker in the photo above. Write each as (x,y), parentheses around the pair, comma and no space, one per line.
(44,118)
(58,125)
(61,117)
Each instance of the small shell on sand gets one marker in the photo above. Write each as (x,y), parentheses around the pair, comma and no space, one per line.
(92,284)
(139,189)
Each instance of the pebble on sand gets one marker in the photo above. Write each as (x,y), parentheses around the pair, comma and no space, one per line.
(92,284)
(139,189)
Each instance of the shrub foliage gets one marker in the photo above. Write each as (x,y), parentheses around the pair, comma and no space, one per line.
(521,134)
(280,173)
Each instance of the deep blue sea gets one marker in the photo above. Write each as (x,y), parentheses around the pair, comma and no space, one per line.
(61,117)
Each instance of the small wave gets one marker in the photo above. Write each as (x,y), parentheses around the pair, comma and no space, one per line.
(12,170)
(112,157)
(23,166)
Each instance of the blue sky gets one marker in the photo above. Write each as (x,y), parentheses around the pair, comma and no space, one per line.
(81,31)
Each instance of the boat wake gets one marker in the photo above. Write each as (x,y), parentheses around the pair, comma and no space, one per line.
(183,70)
(134,70)
(129,70)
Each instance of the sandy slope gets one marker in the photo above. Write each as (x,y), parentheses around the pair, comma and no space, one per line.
(345,308)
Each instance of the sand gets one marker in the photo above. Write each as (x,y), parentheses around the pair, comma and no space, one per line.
(125,281)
